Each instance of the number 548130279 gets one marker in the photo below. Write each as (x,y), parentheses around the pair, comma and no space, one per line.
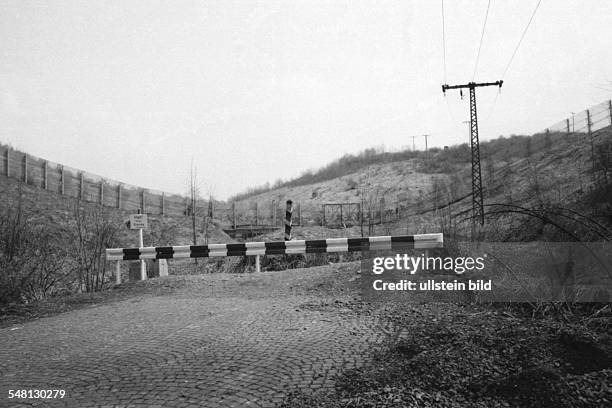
(36,394)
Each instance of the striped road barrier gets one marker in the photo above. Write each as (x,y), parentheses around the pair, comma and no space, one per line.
(288,215)
(381,243)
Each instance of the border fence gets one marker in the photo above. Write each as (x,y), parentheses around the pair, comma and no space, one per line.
(71,182)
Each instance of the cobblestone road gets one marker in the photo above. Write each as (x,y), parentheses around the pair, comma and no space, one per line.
(219,340)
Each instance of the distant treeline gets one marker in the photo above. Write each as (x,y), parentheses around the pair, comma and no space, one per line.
(437,160)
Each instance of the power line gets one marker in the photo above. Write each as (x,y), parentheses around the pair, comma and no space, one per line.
(522,36)
(481,38)
(444,41)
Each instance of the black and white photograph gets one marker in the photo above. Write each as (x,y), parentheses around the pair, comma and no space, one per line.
(306,203)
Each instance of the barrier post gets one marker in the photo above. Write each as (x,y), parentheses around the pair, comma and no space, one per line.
(257,264)
(288,214)
(143,267)
(118,273)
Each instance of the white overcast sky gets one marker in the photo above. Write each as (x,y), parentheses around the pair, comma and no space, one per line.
(254,91)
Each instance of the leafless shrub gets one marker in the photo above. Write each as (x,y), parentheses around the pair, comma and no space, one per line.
(32,256)
(93,231)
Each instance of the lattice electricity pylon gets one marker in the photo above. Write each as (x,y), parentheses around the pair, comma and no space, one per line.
(477,194)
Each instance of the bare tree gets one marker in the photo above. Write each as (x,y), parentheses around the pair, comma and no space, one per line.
(194,198)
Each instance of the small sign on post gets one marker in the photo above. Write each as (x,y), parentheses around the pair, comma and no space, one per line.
(139,221)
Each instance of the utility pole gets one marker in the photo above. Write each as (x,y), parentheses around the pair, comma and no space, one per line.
(477,196)
(413,146)
(426,150)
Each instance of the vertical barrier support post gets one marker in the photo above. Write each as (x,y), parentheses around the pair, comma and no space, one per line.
(143,266)
(299,208)
(288,214)
(257,264)
(273,213)
(118,273)
(163,198)
(567,126)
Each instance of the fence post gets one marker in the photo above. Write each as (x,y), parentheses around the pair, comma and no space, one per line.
(25,168)
(45,182)
(324,216)
(567,126)
(341,215)
(118,273)
(119,196)
(288,213)
(62,179)
(163,197)
(80,185)
(143,201)
(299,208)
(274,212)
(590,134)
(102,192)
(382,210)
(234,214)
(6,162)
(257,264)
